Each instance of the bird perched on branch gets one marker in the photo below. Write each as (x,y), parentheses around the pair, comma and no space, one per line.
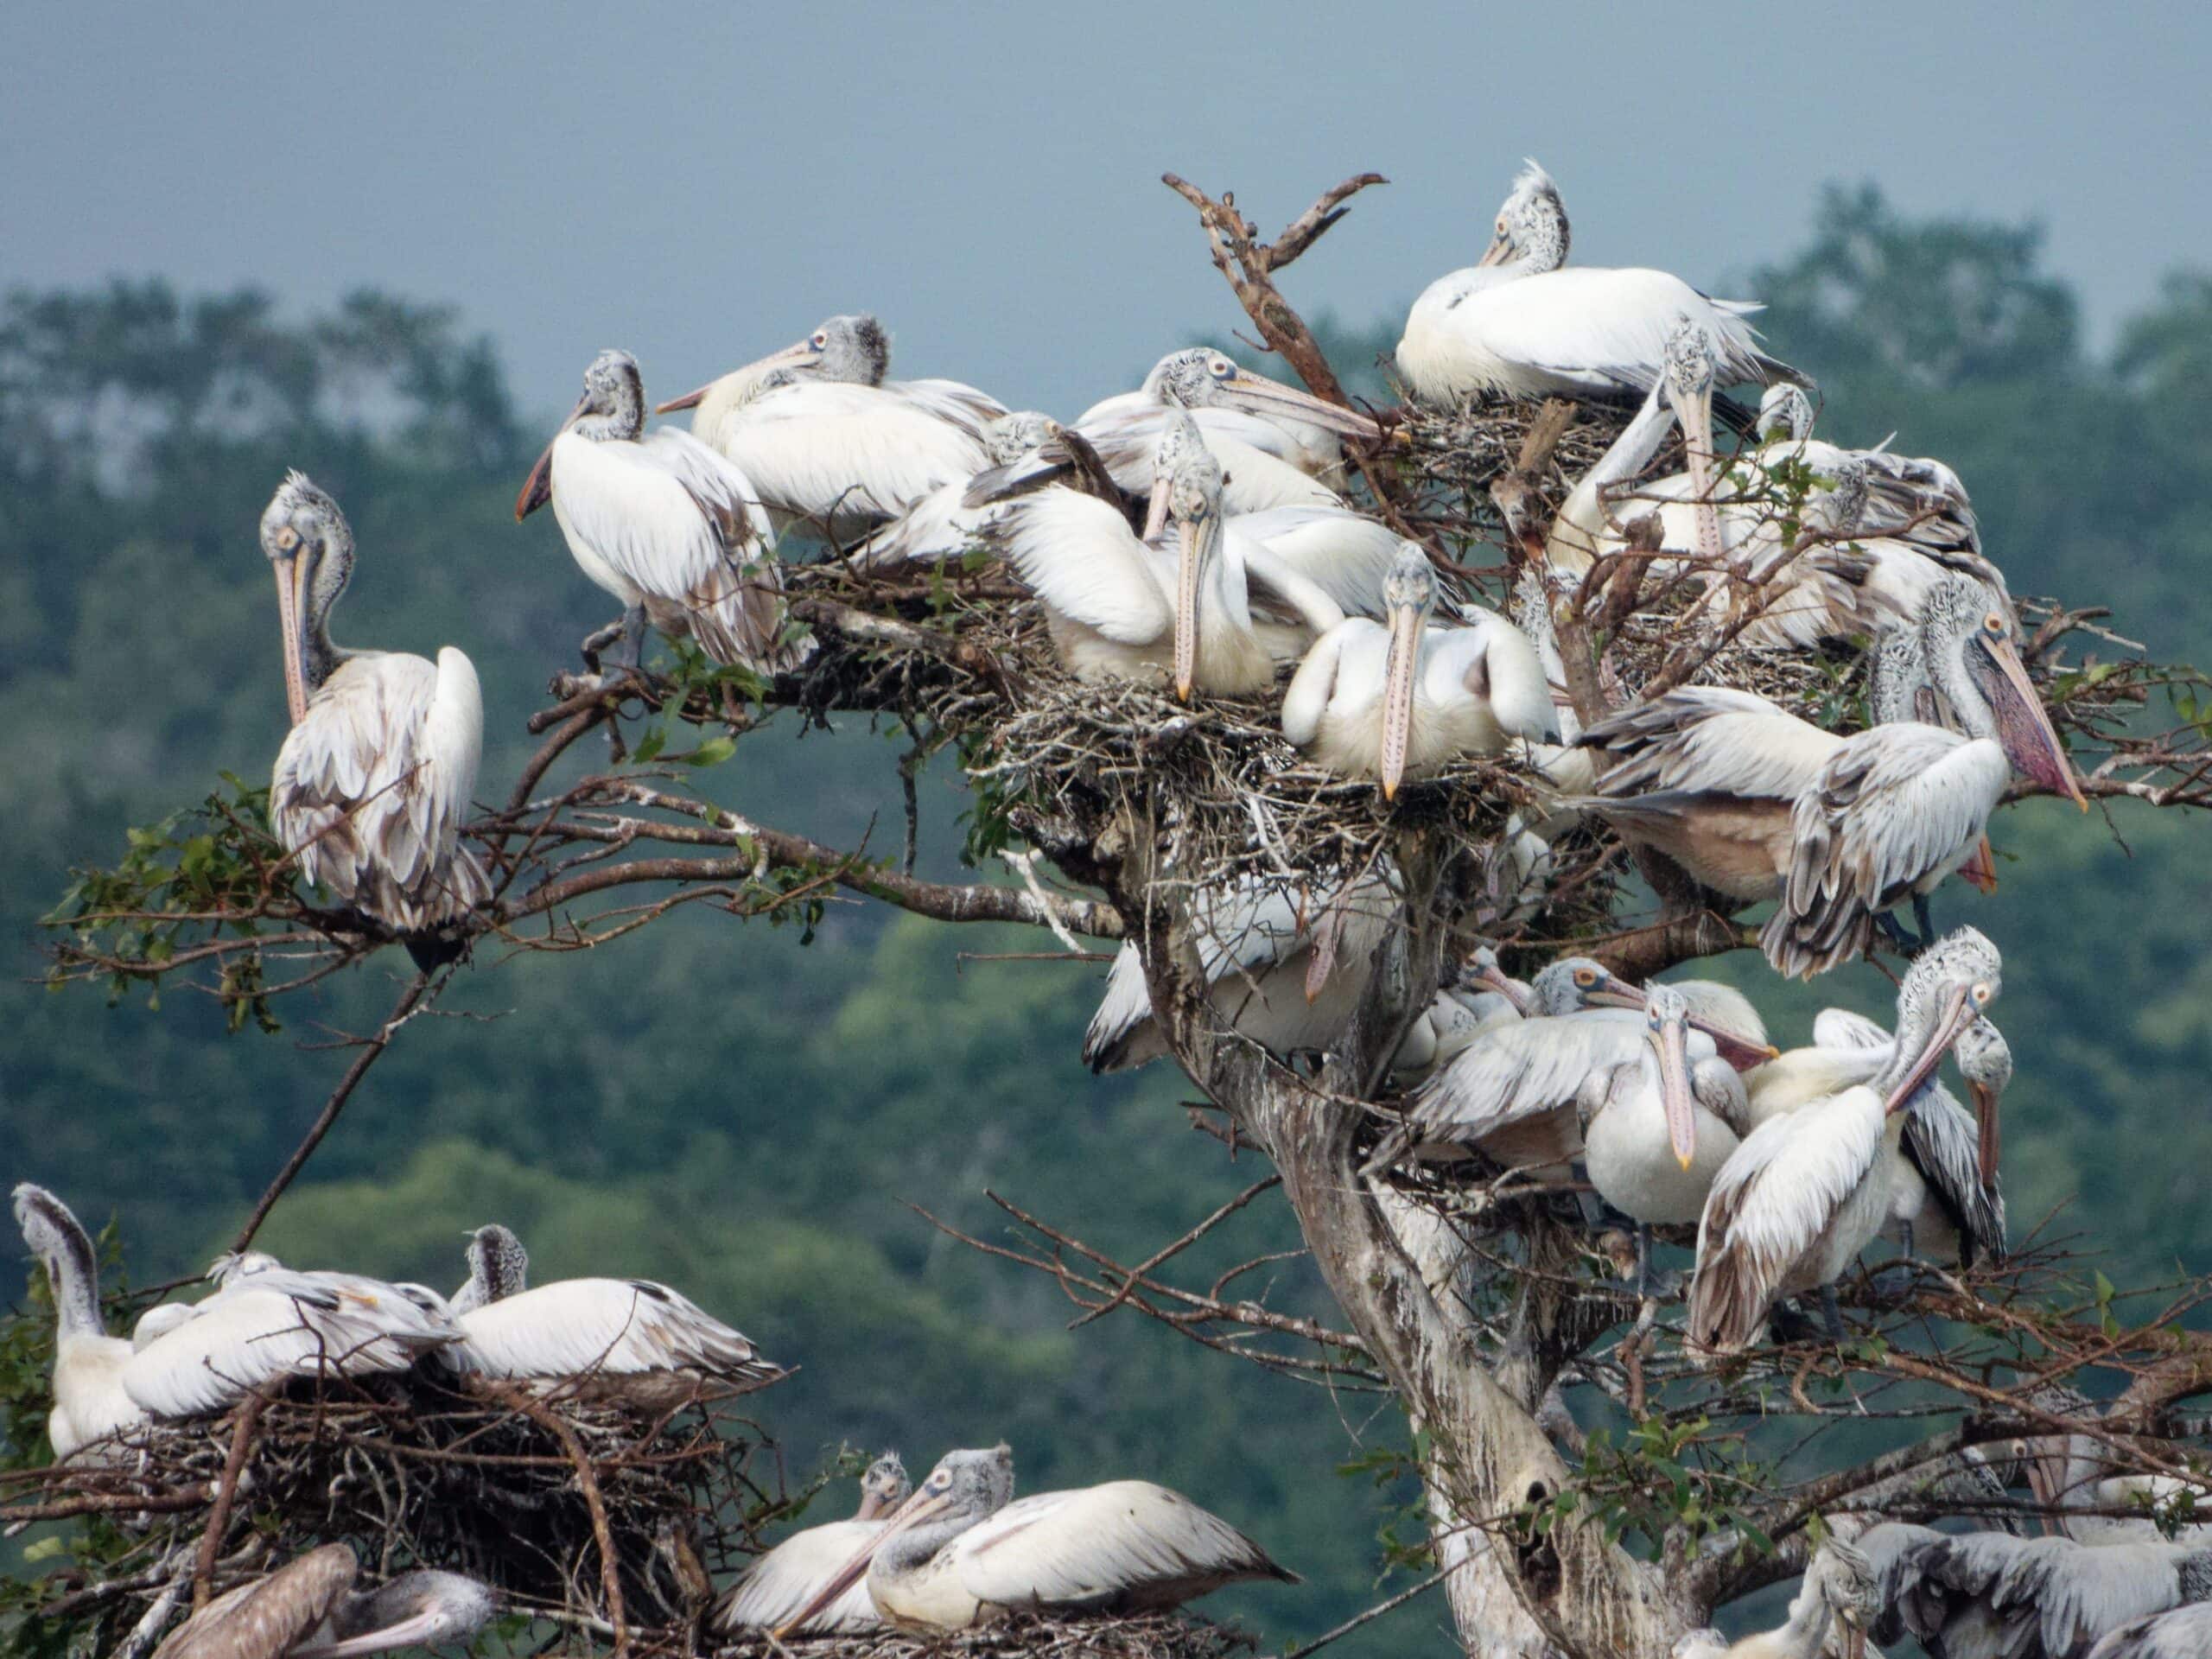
(375,778)
(831,445)
(665,524)
(963,1552)
(1403,698)
(774,1588)
(1516,324)
(629,1339)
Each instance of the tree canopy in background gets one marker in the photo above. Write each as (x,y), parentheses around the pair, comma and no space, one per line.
(743,1116)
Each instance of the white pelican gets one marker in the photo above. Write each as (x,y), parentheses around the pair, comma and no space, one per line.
(665,524)
(309,1608)
(1275,441)
(1480,999)
(959,1554)
(1516,325)
(1839,1592)
(1657,1129)
(90,1402)
(374,779)
(2185,1633)
(1980,1593)
(1805,1193)
(774,1588)
(1285,962)
(1119,608)
(621,1339)
(266,1322)
(1513,1094)
(1756,803)
(949,521)
(1387,701)
(830,444)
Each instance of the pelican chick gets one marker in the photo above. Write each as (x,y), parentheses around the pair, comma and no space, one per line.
(771,1592)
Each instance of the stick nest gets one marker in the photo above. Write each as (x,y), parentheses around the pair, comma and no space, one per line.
(1149,1636)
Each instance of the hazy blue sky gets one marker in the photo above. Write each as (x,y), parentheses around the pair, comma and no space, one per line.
(701,183)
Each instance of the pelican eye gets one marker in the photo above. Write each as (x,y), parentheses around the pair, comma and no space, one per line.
(1586,977)
(820,341)
(1502,228)
(1993,622)
(1221,369)
(1980,994)
(288,539)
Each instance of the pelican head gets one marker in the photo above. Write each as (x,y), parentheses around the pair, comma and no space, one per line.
(1194,503)
(1482,971)
(612,408)
(1949,985)
(1571,984)
(1200,377)
(883,1488)
(1967,639)
(966,1487)
(228,1268)
(1531,230)
(55,1235)
(1786,411)
(1666,1029)
(1010,437)
(1986,1062)
(1846,1584)
(855,349)
(1409,596)
(1741,1051)
(311,547)
(498,1264)
(1839,509)
(1687,366)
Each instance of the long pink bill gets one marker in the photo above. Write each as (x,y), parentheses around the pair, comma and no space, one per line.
(1403,665)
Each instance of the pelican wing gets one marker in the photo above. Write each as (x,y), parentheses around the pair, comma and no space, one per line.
(1078,555)
(1520,1070)
(1895,808)
(2066,1593)
(1346,554)
(2185,1633)
(1313,687)
(824,451)
(1491,660)
(1127,1544)
(1841,1028)
(682,526)
(938,526)
(277,1325)
(581,1327)
(267,1618)
(954,401)
(1769,1204)
(1709,739)
(1943,1143)
(775,1588)
(372,787)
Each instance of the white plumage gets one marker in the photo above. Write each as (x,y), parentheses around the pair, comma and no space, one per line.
(1988,1595)
(771,1592)
(90,1402)
(606,1327)
(2185,1633)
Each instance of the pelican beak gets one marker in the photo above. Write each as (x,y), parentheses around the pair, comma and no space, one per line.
(1155,512)
(1495,978)
(1257,395)
(1501,246)
(1984,1114)
(1398,695)
(1694,411)
(922,1506)
(1959,1013)
(537,488)
(2043,1487)
(1200,539)
(1671,1043)
(1854,1639)
(291,578)
(1980,867)
(1741,1053)
(689,400)
(2023,725)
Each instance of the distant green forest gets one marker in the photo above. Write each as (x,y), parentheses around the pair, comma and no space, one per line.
(749,1114)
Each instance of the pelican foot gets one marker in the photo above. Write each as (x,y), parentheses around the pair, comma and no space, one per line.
(1654,1287)
(1899,935)
(1785,1324)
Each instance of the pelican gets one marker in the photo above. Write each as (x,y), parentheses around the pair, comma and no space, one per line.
(309,1608)
(1380,701)
(1989,1593)
(2070,1473)
(629,1339)
(90,1402)
(1517,325)
(1840,1591)
(2185,1633)
(1121,609)
(1482,997)
(1285,965)
(1657,1129)
(1277,443)
(1755,804)
(1514,1094)
(266,1322)
(775,1588)
(831,444)
(665,524)
(374,779)
(958,1553)
(1804,1193)
(949,521)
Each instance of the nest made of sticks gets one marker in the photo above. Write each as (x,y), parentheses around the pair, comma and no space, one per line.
(1147,1636)
(604,1514)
